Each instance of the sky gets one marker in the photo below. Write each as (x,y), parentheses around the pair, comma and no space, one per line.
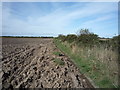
(54,18)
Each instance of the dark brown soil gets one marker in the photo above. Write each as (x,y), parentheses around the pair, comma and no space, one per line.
(29,63)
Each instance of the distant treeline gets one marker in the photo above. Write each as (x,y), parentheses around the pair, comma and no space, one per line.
(87,38)
(25,37)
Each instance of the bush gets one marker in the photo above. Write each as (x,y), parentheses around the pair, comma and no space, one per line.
(71,38)
(87,38)
(116,40)
(62,37)
(83,31)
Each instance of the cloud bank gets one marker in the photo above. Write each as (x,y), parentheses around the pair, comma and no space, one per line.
(51,19)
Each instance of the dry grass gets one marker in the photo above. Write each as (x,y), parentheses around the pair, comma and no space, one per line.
(101,56)
(100,63)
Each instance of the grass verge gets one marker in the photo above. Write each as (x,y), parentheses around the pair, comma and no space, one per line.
(91,67)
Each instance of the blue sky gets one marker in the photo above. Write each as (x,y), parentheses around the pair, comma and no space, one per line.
(53,18)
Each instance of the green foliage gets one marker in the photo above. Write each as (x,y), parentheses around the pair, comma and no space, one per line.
(106,82)
(83,31)
(62,37)
(84,37)
(116,41)
(56,53)
(71,38)
(116,38)
(90,66)
(88,39)
(92,54)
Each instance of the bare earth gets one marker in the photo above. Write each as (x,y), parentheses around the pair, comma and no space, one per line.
(29,63)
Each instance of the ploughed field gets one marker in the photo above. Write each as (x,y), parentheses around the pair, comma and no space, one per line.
(30,63)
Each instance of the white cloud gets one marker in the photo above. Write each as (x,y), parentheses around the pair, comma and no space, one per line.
(97,20)
(55,22)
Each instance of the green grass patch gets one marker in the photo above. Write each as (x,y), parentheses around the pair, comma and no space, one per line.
(59,61)
(89,66)
(106,82)
(56,53)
